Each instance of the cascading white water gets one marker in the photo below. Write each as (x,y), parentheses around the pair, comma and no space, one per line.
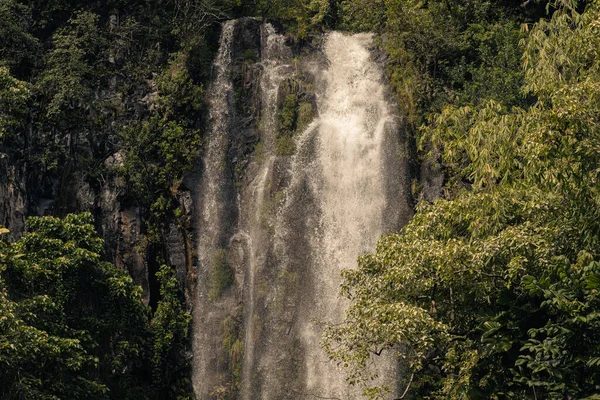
(275,63)
(349,179)
(213,212)
(295,222)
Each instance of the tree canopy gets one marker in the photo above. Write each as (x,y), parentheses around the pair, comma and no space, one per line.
(70,322)
(74,326)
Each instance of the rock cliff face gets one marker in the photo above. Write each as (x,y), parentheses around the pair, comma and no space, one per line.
(30,190)
(13,195)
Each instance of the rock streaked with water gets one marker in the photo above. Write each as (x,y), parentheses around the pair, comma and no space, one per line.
(295,222)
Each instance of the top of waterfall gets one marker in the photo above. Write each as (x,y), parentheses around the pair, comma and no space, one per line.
(273,45)
(224,56)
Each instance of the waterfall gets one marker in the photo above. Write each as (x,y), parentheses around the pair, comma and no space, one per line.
(215,209)
(294,222)
(349,173)
(276,58)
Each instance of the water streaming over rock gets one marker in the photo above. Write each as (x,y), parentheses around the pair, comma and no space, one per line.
(276,58)
(292,223)
(215,206)
(349,177)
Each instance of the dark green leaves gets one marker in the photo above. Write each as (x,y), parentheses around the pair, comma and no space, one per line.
(70,324)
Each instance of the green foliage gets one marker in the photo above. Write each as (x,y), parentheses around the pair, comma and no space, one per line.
(233,345)
(74,68)
(288,115)
(221,276)
(562,355)
(294,116)
(157,154)
(160,148)
(95,83)
(300,16)
(169,327)
(71,325)
(492,292)
(305,116)
(14,95)
(177,92)
(472,285)
(441,52)
(18,45)
(557,54)
(79,83)
(285,146)
(497,74)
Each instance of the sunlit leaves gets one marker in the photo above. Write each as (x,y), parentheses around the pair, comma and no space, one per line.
(556,53)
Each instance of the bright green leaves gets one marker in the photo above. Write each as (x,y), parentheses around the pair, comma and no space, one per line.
(557,54)
(68,321)
(461,136)
(451,285)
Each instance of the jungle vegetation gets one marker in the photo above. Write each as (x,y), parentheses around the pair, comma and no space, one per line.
(74,327)
(491,292)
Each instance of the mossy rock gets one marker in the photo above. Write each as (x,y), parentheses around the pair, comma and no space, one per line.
(305,116)
(222,275)
(285,146)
